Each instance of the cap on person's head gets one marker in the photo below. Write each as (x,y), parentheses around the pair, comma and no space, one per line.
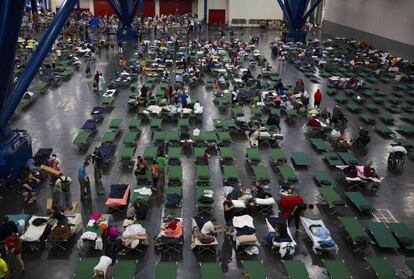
(86,163)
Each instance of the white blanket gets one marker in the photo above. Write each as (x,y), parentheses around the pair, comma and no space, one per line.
(268,201)
(241,221)
(133,230)
(33,233)
(307,223)
(104,263)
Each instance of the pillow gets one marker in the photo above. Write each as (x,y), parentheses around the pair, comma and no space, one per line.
(239,204)
(268,201)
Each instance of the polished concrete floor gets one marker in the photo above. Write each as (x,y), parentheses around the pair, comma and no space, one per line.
(55,118)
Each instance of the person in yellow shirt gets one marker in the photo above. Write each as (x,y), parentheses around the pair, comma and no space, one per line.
(4,270)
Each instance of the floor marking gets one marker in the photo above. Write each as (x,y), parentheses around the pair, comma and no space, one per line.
(384,216)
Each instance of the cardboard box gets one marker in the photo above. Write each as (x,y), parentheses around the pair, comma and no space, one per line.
(47,170)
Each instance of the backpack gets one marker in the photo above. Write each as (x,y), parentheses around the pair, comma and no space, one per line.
(65,184)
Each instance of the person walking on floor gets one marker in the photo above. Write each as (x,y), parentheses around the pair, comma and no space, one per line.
(83,178)
(96,79)
(13,246)
(101,83)
(63,184)
(317,99)
(88,69)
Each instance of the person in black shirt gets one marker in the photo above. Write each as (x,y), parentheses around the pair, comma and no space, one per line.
(228,211)
(7,227)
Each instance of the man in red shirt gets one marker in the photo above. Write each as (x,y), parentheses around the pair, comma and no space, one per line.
(292,207)
(317,98)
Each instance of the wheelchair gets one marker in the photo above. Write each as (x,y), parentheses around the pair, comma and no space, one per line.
(396,160)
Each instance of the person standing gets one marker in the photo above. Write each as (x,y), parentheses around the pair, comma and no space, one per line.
(101,83)
(88,69)
(161,162)
(83,178)
(228,207)
(63,184)
(155,174)
(97,161)
(317,99)
(96,79)
(4,270)
(13,246)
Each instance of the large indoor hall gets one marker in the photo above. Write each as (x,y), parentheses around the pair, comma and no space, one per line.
(206,139)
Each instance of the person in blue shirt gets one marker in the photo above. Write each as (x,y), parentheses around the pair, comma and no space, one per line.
(83,178)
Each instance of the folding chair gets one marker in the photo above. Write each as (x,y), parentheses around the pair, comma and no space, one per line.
(172,138)
(381,268)
(211,271)
(237,112)
(296,269)
(124,269)
(261,174)
(403,234)
(360,202)
(356,232)
(288,174)
(408,117)
(226,155)
(337,269)
(372,108)
(166,270)
(320,145)
(299,159)
(253,156)
(324,179)
(383,237)
(409,262)
(387,118)
(291,114)
(256,269)
(159,137)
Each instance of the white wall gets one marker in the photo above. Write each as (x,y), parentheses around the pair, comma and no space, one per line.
(212,5)
(392,19)
(254,9)
(84,4)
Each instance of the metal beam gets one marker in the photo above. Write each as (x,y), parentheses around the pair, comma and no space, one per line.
(311,9)
(78,9)
(36,60)
(11,14)
(115,7)
(125,13)
(284,10)
(135,8)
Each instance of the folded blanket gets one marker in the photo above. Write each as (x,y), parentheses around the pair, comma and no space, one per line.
(241,221)
(245,231)
(246,239)
(268,201)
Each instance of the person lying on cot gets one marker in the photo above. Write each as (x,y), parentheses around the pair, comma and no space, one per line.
(259,191)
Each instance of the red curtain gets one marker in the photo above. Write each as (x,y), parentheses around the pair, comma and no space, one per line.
(216,16)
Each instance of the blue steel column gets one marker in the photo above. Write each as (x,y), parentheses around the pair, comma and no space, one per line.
(11,13)
(36,60)
(205,12)
(294,11)
(115,7)
(137,5)
(78,9)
